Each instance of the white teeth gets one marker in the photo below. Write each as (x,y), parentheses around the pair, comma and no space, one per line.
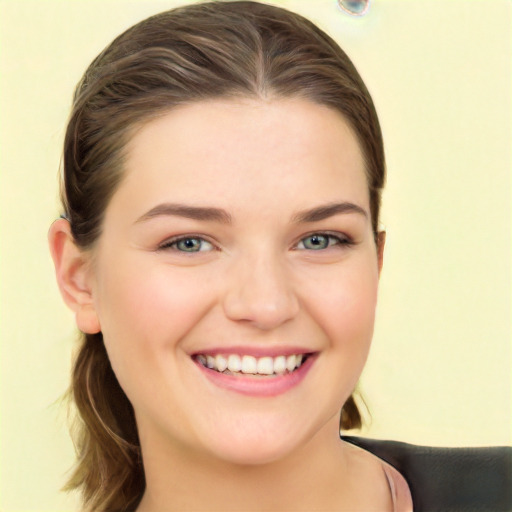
(280,364)
(265,366)
(234,363)
(221,363)
(251,365)
(291,363)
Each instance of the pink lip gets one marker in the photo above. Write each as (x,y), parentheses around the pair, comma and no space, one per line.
(259,386)
(254,351)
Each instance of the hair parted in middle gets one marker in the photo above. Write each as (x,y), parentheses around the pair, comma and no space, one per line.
(233,49)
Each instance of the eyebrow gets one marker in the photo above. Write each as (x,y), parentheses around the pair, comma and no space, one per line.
(329,210)
(190,212)
(208,213)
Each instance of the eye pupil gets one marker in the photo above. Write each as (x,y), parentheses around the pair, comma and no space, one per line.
(189,244)
(316,242)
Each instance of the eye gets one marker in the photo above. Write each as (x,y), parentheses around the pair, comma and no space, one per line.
(319,241)
(188,244)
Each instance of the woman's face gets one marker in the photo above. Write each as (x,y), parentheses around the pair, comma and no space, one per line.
(241,235)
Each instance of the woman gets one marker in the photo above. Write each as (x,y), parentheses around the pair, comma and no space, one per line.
(223,167)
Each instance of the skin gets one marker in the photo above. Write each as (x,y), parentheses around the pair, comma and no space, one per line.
(255,283)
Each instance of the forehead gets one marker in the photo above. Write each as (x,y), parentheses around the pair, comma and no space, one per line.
(236,148)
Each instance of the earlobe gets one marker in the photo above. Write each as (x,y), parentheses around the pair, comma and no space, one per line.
(381,242)
(73,276)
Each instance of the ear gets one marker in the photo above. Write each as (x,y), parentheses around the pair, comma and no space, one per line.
(381,242)
(73,276)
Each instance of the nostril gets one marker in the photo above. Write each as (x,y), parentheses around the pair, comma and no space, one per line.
(265,315)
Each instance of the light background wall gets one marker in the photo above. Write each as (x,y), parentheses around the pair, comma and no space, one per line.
(440,74)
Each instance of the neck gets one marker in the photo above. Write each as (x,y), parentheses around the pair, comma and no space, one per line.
(315,476)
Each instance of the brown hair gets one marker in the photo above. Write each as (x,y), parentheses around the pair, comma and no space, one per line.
(203,51)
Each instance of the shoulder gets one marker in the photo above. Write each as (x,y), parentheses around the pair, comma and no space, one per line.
(455,479)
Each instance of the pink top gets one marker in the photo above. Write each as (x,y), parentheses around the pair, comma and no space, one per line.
(400,493)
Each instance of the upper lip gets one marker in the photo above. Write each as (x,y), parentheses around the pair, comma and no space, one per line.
(266,351)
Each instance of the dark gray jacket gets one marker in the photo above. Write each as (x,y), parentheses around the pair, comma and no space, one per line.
(449,479)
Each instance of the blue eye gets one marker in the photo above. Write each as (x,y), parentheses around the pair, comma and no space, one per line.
(188,244)
(319,241)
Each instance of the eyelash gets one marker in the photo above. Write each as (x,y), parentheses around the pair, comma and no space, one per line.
(339,240)
(174,241)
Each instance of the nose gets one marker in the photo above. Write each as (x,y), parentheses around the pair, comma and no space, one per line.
(260,293)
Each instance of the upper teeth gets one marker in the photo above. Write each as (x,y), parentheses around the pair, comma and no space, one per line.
(249,364)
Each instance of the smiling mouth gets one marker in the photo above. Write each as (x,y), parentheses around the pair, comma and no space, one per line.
(250,366)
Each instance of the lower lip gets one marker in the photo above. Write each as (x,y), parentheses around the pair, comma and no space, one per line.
(259,386)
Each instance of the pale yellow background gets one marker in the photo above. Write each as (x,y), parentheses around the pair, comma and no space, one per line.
(439,71)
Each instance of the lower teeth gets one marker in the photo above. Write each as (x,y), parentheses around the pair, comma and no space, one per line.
(242,374)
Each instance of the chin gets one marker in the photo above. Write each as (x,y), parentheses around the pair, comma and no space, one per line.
(256,441)
(248,453)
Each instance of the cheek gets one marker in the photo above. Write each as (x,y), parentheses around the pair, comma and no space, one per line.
(144,309)
(344,305)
